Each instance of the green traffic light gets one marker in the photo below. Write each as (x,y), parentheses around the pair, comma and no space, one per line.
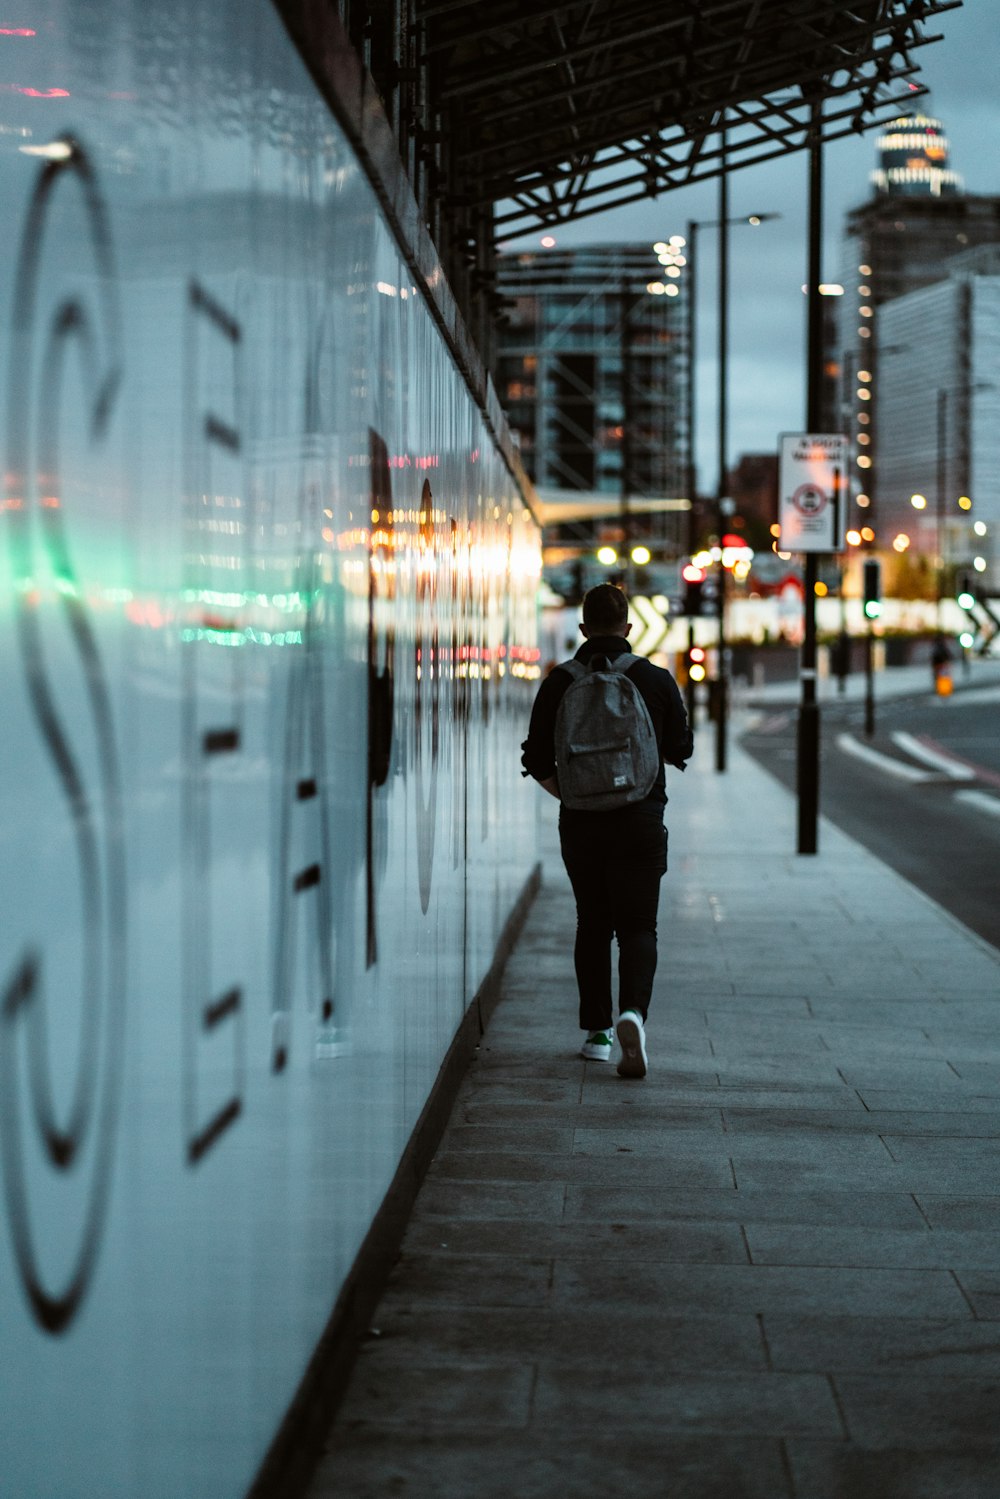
(872,608)
(966,600)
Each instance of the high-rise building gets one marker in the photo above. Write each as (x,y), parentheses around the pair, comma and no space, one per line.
(939,425)
(901,239)
(592,372)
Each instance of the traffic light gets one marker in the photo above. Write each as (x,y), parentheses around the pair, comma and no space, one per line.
(695,663)
(872,588)
(694,582)
(965,596)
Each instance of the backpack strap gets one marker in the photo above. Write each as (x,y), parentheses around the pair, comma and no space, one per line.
(577,669)
(573,667)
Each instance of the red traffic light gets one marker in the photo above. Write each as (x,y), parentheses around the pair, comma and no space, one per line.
(696,653)
(692,574)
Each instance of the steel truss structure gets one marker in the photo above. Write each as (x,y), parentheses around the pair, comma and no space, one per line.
(569,109)
(517,114)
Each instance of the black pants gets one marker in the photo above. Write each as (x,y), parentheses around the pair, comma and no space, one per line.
(615,861)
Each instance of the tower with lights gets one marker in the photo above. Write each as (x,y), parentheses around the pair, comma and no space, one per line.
(905,237)
(913,160)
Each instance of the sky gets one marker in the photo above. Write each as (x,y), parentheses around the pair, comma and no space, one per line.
(767,332)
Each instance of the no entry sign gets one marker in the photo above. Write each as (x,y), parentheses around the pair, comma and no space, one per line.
(812,491)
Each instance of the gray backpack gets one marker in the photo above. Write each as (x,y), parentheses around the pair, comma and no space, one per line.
(606,750)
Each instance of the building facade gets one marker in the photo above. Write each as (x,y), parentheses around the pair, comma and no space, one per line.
(902,239)
(939,424)
(592,372)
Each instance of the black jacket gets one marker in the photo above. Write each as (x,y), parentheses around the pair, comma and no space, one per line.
(659,691)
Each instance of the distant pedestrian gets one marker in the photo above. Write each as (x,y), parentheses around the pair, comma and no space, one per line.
(941,664)
(615,857)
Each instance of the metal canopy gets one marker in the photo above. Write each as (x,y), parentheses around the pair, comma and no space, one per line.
(554,111)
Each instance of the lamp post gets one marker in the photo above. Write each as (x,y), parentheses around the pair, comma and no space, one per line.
(847,379)
(723,223)
(808,738)
(634,288)
(942,438)
(943,412)
(944,392)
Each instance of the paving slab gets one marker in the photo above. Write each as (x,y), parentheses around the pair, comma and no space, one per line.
(935,1348)
(377,1463)
(851,1471)
(771,1270)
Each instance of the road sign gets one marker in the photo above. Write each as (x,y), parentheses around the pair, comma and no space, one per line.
(649,627)
(812,491)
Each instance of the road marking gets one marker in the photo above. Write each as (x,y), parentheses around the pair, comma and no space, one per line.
(769,723)
(980,799)
(930,755)
(852,746)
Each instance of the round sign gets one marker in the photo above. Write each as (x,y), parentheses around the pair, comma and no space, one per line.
(809,499)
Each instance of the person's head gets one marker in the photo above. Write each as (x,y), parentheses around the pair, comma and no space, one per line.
(605,611)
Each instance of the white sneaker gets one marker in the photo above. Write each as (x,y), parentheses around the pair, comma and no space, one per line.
(632,1037)
(597,1046)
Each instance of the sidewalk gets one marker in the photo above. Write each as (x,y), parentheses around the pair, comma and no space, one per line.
(891,682)
(769,1271)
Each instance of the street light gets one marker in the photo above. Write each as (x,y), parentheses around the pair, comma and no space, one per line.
(943,394)
(723,224)
(752,220)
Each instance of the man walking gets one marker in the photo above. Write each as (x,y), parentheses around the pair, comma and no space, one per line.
(615,858)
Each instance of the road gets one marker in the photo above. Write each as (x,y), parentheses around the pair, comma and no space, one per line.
(923,793)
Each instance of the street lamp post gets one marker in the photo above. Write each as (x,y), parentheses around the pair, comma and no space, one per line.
(723,224)
(626,447)
(944,412)
(847,378)
(692,464)
(722,684)
(809,721)
(942,438)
